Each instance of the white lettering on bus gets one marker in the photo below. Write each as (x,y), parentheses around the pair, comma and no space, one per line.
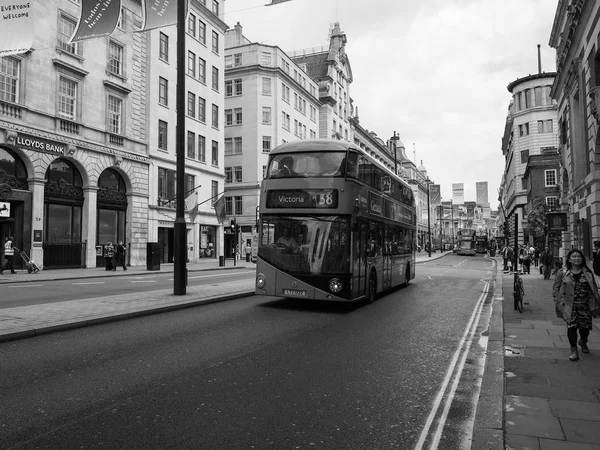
(285,199)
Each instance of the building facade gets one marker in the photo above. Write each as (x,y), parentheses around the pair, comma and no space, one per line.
(531,129)
(73,141)
(204,132)
(576,38)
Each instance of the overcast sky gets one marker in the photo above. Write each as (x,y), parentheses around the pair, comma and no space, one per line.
(435,71)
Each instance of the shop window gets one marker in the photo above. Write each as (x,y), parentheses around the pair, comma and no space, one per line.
(11,165)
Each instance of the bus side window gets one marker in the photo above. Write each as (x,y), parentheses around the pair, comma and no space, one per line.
(352,165)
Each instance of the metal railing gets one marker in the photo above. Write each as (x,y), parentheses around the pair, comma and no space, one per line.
(64,255)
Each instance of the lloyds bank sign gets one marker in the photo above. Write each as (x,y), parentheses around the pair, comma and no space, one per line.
(40,144)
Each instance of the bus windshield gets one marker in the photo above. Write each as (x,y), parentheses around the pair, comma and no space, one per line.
(307,164)
(306,245)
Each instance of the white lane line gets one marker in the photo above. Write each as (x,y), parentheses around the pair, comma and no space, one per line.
(454,369)
(91,282)
(145,281)
(25,285)
(219,275)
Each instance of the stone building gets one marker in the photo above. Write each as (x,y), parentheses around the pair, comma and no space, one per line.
(576,38)
(73,140)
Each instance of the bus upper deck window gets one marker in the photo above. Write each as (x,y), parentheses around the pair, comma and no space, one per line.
(352,165)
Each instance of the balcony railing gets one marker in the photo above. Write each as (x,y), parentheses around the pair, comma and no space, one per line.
(10,110)
(68,126)
(114,139)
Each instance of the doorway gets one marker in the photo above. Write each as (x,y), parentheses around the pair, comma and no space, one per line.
(166,240)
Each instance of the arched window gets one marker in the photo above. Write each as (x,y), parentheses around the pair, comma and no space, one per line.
(112,208)
(63,170)
(12,170)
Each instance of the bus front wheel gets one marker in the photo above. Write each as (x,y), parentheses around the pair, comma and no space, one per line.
(372,288)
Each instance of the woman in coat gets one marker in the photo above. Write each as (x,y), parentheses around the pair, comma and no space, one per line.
(576,297)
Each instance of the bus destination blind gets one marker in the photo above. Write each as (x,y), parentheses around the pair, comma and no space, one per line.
(303,198)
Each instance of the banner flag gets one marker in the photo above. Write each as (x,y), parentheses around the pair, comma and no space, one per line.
(220,209)
(191,201)
(276,2)
(16,27)
(159,13)
(98,18)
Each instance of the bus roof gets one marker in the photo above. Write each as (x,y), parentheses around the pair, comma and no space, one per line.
(310,144)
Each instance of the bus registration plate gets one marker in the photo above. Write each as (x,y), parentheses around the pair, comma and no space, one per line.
(294,292)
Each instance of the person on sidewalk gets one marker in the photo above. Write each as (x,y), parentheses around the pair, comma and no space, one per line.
(510,256)
(109,254)
(547,263)
(9,254)
(526,261)
(596,262)
(119,256)
(576,298)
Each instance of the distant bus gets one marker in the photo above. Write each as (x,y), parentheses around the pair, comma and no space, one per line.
(481,244)
(334,224)
(466,242)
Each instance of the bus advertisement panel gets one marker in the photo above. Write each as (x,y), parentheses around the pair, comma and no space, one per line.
(466,242)
(334,224)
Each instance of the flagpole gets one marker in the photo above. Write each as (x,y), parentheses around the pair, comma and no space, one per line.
(180,238)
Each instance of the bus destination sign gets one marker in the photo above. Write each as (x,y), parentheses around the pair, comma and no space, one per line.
(303,198)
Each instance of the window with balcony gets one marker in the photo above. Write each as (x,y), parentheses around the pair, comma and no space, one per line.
(115,58)
(10,72)
(115,115)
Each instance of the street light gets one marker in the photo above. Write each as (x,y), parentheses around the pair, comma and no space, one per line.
(428,217)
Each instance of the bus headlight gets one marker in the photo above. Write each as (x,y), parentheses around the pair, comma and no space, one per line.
(335,285)
(261,281)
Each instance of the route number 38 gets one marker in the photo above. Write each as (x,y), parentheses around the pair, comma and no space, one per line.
(325,199)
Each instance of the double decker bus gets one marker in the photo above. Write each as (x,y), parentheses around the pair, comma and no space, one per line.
(481,243)
(334,224)
(466,242)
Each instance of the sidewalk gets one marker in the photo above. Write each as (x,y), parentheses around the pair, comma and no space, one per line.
(550,403)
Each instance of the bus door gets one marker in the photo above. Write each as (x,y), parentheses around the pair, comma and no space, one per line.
(359,258)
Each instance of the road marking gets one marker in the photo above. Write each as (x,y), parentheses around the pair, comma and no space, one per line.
(25,285)
(145,281)
(91,282)
(218,275)
(454,371)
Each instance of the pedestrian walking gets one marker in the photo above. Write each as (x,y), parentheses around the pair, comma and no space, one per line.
(109,254)
(505,258)
(119,256)
(510,255)
(9,255)
(576,298)
(526,261)
(596,261)
(536,257)
(547,261)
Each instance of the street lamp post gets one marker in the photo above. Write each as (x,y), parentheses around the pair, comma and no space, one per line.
(428,217)
(452,212)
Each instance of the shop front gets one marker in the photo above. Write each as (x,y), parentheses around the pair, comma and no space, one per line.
(208,243)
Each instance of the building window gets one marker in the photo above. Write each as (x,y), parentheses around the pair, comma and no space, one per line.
(238,206)
(10,69)
(192,24)
(202,70)
(115,114)
(266,86)
(550,177)
(215,42)
(228,146)
(66,28)
(192,64)
(228,61)
(191,145)
(201,148)
(115,58)
(162,135)
(215,153)
(163,47)
(524,129)
(228,88)
(552,203)
(228,117)
(201,109)
(190,184)
(266,146)
(285,92)
(191,109)
(215,78)
(266,59)
(228,206)
(166,185)
(238,174)
(163,88)
(238,116)
(286,121)
(237,144)
(228,175)
(266,115)
(67,98)
(215,7)
(237,59)
(545,126)
(524,156)
(215,116)
(202,32)
(237,86)
(214,191)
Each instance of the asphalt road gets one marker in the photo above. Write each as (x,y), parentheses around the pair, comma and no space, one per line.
(48,291)
(255,373)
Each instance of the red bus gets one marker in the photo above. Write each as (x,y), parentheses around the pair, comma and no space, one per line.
(466,242)
(334,224)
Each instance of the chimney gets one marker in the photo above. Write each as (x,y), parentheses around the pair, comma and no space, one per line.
(539,60)
(239,36)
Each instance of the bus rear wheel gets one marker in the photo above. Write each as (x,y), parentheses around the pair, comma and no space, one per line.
(372,289)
